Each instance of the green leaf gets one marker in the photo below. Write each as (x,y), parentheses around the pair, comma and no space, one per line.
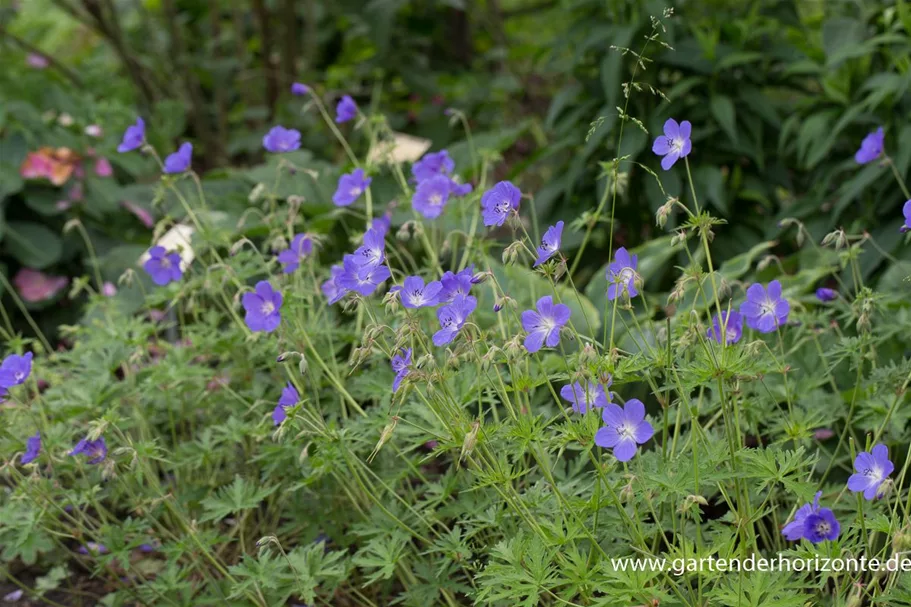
(32,244)
(723,110)
(237,497)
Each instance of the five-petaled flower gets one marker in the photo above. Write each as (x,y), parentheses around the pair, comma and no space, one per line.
(291,258)
(350,187)
(906,211)
(621,275)
(163,267)
(373,250)
(872,471)
(263,307)
(585,398)
(415,294)
(456,284)
(345,110)
(730,325)
(674,144)
(331,287)
(299,89)
(179,161)
(625,429)
(401,364)
(813,523)
(452,318)
(543,326)
(765,309)
(14,370)
(431,196)
(431,165)
(279,139)
(871,147)
(133,137)
(363,279)
(32,449)
(498,202)
(94,450)
(550,243)
(288,399)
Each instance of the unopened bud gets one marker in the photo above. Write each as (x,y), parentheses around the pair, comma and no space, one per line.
(404,232)
(679,238)
(471,439)
(480,277)
(385,435)
(256,193)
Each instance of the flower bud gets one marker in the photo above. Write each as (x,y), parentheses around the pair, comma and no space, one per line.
(480,277)
(404,232)
(679,238)
(471,439)
(385,435)
(256,193)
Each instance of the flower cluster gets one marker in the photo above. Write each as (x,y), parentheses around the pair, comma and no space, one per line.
(363,271)
(435,184)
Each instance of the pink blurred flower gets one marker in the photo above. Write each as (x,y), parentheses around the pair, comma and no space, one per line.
(103,167)
(93,130)
(35,286)
(39,62)
(108,289)
(77,192)
(63,205)
(823,434)
(144,216)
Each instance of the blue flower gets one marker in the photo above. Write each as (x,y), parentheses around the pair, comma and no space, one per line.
(584,399)
(301,247)
(401,364)
(288,398)
(133,137)
(162,266)
(498,202)
(373,250)
(452,318)
(813,523)
(543,326)
(431,196)
(363,279)
(456,284)
(433,164)
(262,307)
(415,294)
(872,470)
(674,144)
(550,243)
(298,89)
(331,288)
(15,369)
(871,147)
(32,449)
(350,187)
(621,275)
(765,310)
(625,428)
(906,211)
(279,139)
(824,294)
(732,324)
(345,110)
(95,450)
(179,161)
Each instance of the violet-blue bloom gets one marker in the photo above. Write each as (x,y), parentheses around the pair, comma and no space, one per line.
(452,318)
(432,164)
(363,279)
(350,187)
(163,267)
(15,369)
(821,525)
(291,258)
(459,189)
(585,398)
(93,548)
(431,196)
(262,307)
(621,275)
(456,284)
(401,364)
(730,325)
(872,471)
(299,89)
(331,288)
(793,531)
(871,147)
(382,224)
(765,309)
(279,139)
(288,398)
(345,110)
(415,294)
(32,449)
(824,294)
(674,144)
(625,429)
(906,211)
(179,161)
(543,325)
(550,243)
(498,202)
(133,137)
(373,250)
(95,450)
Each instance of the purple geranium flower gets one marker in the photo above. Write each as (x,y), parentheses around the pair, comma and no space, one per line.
(415,294)
(288,398)
(431,196)
(906,211)
(765,309)
(824,294)
(625,428)
(291,258)
(498,202)
(331,288)
(793,531)
(299,89)
(179,161)
(345,110)
(543,326)
(550,243)
(373,250)
(586,398)
(459,189)
(872,471)
(821,525)
(350,187)
(363,279)
(401,364)
(871,147)
(133,137)
(93,548)
(674,144)
(382,224)
(279,139)
(452,318)
(263,307)
(432,164)
(162,266)
(456,284)
(32,449)
(733,327)
(95,450)
(15,369)
(621,275)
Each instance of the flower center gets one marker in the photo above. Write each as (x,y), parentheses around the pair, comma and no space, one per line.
(267,308)
(165,262)
(436,199)
(676,145)
(874,473)
(19,376)
(626,430)
(823,528)
(356,191)
(767,307)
